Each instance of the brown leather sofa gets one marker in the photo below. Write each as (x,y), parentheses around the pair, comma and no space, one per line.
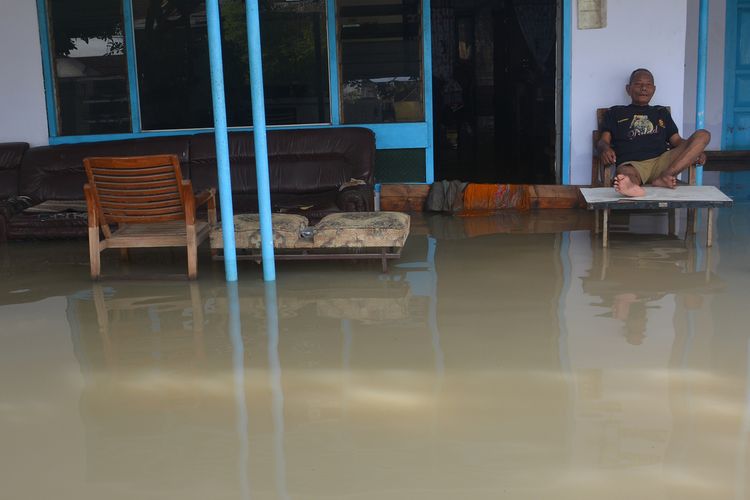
(311,171)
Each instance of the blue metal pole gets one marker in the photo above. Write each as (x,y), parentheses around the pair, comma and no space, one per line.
(567,55)
(333,62)
(261,147)
(700,99)
(222,141)
(427,55)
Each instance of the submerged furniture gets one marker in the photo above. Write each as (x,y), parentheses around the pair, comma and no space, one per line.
(150,204)
(315,171)
(691,197)
(346,235)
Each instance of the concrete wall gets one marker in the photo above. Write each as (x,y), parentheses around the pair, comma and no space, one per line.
(639,33)
(23,110)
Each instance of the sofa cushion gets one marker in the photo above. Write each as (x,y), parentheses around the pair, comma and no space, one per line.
(362,229)
(286,231)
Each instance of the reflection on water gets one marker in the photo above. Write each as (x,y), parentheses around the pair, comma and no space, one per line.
(487,364)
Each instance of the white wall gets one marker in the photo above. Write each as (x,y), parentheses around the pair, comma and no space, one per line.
(715,73)
(23,113)
(639,33)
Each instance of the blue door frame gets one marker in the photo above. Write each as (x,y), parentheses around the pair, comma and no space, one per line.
(736,128)
(418,135)
(736,118)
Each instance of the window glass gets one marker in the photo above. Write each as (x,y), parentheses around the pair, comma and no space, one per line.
(89,66)
(381,61)
(173,63)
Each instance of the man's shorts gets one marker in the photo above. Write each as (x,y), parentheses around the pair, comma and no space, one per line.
(652,168)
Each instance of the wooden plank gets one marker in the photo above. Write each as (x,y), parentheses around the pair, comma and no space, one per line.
(555,191)
(397,204)
(403,197)
(404,190)
(727,161)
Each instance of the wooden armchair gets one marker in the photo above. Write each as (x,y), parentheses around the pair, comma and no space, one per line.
(150,204)
(602,175)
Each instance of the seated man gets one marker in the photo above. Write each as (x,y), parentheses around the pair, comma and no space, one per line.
(635,138)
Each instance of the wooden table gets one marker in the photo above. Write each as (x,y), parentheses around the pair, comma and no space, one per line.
(606,199)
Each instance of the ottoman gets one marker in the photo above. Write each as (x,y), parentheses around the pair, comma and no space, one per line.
(343,235)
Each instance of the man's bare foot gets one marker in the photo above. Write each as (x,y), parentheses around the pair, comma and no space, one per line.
(666,181)
(626,187)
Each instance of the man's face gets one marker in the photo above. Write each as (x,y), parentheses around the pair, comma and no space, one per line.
(641,88)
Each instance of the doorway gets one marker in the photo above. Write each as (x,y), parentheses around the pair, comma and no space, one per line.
(495,100)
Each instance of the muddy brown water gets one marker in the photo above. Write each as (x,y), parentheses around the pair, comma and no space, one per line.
(506,356)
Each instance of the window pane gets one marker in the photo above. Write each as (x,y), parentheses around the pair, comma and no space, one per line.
(173,65)
(174,83)
(90,67)
(381,61)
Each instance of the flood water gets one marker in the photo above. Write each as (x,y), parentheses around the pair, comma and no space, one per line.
(487,363)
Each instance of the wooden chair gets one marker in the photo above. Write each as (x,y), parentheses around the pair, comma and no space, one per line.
(603,175)
(150,204)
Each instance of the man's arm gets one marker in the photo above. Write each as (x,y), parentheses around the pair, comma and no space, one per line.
(604,147)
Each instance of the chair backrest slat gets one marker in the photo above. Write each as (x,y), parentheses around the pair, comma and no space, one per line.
(103,191)
(134,200)
(142,189)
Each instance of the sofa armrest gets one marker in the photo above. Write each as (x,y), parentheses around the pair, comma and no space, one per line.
(15,205)
(10,207)
(356,199)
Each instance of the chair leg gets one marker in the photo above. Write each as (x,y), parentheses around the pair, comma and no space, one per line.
(596,221)
(672,224)
(192,253)
(605,228)
(94,253)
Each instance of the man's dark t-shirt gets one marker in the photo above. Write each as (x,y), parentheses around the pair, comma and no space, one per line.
(639,132)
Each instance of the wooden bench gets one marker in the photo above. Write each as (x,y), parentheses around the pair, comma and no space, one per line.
(343,235)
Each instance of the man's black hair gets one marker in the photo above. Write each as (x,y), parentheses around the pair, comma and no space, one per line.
(640,70)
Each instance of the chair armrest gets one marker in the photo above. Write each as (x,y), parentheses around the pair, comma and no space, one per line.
(208,198)
(192,201)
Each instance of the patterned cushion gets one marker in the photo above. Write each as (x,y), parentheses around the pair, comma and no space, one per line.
(286,231)
(362,229)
